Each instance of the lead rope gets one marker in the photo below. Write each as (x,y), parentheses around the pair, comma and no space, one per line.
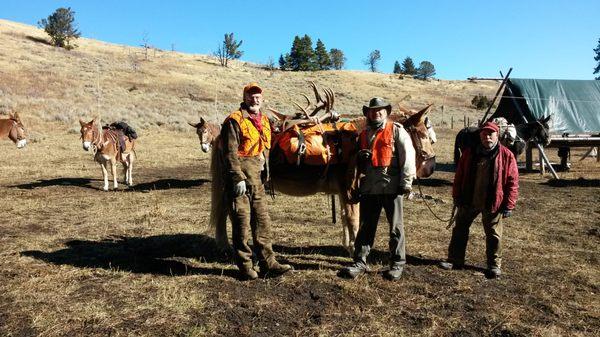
(452,215)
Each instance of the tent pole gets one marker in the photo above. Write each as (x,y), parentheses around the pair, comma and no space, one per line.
(484,119)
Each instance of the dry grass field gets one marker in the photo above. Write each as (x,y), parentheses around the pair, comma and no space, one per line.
(78,261)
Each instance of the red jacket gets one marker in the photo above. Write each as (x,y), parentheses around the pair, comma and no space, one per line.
(506,179)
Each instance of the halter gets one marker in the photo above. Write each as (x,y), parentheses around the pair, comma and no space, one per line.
(15,124)
(416,140)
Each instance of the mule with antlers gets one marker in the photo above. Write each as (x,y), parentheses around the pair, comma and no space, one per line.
(296,179)
(110,145)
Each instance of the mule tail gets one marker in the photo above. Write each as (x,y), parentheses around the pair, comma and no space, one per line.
(218,197)
(457,146)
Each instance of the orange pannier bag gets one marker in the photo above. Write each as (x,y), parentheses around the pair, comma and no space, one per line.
(321,144)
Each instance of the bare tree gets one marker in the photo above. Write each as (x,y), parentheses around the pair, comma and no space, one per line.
(373,59)
(228,50)
(145,45)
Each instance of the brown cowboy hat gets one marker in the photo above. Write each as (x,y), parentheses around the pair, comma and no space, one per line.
(377,103)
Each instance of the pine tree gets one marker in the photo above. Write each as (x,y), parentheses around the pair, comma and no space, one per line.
(322,56)
(228,50)
(397,68)
(408,67)
(597,58)
(282,64)
(302,55)
(425,71)
(61,27)
(337,58)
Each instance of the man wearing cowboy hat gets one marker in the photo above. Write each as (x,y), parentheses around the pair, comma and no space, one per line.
(246,136)
(387,164)
(486,182)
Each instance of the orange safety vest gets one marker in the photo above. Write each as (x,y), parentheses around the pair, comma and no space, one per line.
(252,142)
(383,145)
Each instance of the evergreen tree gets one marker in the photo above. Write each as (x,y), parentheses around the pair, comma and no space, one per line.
(397,68)
(282,64)
(408,67)
(373,59)
(597,58)
(337,58)
(61,27)
(302,55)
(322,56)
(228,50)
(425,71)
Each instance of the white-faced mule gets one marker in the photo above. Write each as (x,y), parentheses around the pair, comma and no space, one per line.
(110,145)
(13,129)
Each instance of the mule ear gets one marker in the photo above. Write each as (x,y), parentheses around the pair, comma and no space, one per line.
(193,125)
(17,117)
(547,119)
(81,122)
(202,121)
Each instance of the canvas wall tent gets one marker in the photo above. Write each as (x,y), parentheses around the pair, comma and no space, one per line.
(573,104)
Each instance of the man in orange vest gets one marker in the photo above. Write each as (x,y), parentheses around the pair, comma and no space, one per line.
(387,164)
(246,136)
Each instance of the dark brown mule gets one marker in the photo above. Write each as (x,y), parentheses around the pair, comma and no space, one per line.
(105,143)
(336,180)
(13,129)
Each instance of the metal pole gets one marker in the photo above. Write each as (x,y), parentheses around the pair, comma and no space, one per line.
(483,120)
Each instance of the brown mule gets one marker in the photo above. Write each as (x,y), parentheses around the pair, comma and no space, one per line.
(336,181)
(13,129)
(105,143)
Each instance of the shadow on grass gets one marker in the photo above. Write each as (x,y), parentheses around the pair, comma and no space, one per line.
(38,40)
(81,182)
(375,256)
(432,182)
(445,167)
(160,255)
(167,184)
(581,182)
(160,184)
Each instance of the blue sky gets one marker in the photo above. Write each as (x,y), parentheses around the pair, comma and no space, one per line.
(539,39)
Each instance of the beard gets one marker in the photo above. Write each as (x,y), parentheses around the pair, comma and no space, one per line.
(253,108)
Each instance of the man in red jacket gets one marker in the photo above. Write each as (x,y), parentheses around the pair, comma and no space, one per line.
(486,182)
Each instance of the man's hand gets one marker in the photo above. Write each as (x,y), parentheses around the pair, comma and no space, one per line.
(405,189)
(506,213)
(239,189)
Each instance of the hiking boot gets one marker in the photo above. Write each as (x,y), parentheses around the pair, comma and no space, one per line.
(353,271)
(275,269)
(247,274)
(493,273)
(449,265)
(394,273)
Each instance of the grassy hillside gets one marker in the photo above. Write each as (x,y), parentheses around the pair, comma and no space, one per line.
(46,83)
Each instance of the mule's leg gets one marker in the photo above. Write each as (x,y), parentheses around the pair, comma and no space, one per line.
(350,223)
(113,166)
(125,163)
(104,175)
(130,169)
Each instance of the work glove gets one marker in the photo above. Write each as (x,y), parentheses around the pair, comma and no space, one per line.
(239,189)
(405,189)
(506,213)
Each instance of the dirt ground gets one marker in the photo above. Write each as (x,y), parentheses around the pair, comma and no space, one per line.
(75,260)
